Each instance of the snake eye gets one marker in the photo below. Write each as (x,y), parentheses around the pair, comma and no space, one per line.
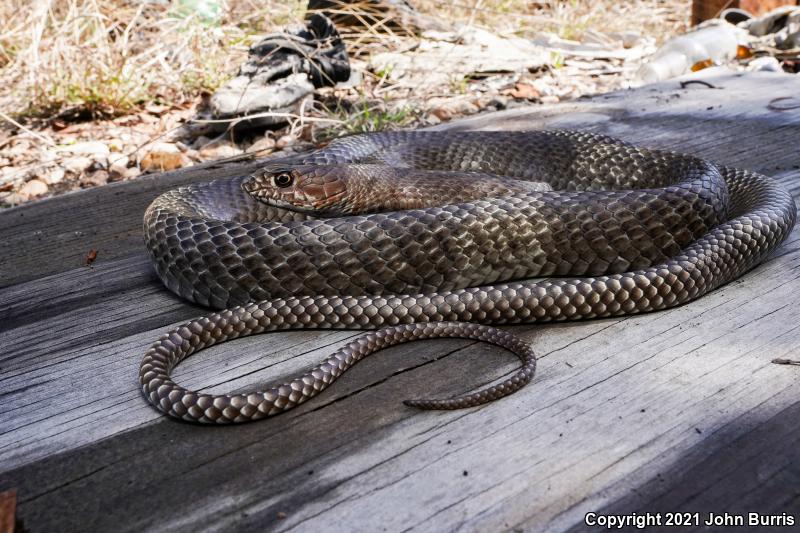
(284,179)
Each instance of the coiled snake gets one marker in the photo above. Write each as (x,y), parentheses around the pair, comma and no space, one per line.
(625,230)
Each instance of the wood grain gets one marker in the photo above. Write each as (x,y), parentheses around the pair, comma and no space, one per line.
(678,410)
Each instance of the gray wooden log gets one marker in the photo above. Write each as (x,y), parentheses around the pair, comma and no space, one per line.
(680,410)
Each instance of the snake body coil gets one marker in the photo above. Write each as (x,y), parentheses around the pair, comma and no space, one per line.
(635,230)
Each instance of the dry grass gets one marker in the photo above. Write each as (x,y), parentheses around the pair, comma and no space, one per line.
(89,58)
(106,57)
(566,18)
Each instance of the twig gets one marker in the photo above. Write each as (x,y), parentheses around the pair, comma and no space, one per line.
(27,130)
(781,361)
(772,107)
(263,115)
(473,13)
(697,82)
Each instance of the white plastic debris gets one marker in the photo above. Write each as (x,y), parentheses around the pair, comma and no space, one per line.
(711,45)
(765,63)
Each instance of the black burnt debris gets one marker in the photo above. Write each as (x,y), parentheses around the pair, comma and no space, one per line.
(281,70)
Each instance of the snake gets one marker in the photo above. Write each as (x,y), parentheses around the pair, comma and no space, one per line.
(543,226)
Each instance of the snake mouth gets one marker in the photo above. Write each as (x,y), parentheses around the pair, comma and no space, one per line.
(261,197)
(252,187)
(304,202)
(283,204)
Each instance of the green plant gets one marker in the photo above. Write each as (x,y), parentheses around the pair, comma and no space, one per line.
(556,59)
(459,86)
(365,117)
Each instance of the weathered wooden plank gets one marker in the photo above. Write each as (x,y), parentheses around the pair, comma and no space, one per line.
(616,402)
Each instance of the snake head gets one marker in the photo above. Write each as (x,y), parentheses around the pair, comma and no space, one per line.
(316,189)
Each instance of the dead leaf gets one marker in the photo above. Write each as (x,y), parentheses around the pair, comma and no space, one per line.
(162,161)
(744,52)
(8,511)
(442,114)
(700,65)
(524,91)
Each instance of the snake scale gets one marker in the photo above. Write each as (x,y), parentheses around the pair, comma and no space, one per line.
(624,230)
